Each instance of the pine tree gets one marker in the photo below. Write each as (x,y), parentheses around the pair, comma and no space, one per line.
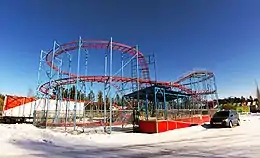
(100,97)
(72,92)
(107,103)
(1,104)
(118,100)
(91,96)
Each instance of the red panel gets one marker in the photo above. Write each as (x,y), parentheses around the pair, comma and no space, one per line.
(206,118)
(195,120)
(172,125)
(162,126)
(147,126)
(14,101)
(186,120)
(182,125)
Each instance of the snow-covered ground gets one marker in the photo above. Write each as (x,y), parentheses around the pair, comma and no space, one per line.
(199,141)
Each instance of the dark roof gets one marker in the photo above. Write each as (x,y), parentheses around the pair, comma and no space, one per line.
(169,93)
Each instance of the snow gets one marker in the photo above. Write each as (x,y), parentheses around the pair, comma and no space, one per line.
(21,140)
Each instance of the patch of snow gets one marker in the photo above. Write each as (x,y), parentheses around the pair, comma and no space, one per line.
(22,140)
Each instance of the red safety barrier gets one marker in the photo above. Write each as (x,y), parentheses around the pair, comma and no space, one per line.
(183,125)
(147,126)
(158,126)
(162,126)
(206,118)
(172,125)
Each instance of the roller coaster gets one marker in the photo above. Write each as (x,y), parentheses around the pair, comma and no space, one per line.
(99,44)
(197,84)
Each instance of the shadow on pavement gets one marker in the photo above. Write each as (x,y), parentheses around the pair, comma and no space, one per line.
(208,126)
(47,149)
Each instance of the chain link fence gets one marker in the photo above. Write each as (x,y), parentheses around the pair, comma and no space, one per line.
(85,120)
(94,121)
(175,114)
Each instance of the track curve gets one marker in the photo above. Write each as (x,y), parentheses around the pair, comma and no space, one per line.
(101,79)
(97,44)
(196,74)
(102,44)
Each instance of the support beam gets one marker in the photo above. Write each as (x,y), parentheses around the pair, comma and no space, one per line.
(164,105)
(77,85)
(110,81)
(146,105)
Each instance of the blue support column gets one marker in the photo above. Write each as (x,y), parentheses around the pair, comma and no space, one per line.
(50,81)
(155,100)
(77,86)
(42,55)
(146,105)
(216,91)
(69,90)
(164,105)
(123,108)
(110,81)
(155,105)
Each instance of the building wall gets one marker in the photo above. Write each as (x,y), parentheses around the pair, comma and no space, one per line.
(14,107)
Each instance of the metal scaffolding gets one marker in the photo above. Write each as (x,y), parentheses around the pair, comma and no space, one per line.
(59,82)
(64,97)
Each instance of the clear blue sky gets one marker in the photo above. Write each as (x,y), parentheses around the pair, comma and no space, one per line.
(221,36)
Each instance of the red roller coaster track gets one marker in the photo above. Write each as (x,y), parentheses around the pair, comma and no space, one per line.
(100,44)
(102,79)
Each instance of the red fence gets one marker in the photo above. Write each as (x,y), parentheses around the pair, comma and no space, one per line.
(166,125)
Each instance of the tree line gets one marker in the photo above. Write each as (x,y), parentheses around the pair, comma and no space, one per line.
(236,100)
(73,94)
(97,99)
